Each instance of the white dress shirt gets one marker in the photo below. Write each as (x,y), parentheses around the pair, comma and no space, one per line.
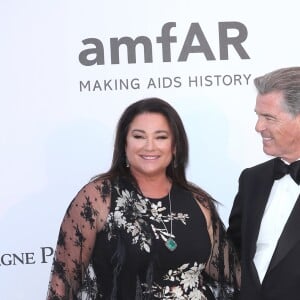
(282,199)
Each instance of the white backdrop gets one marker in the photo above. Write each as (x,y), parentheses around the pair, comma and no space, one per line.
(55,137)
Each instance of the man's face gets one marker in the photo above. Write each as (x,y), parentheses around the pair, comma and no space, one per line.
(279,129)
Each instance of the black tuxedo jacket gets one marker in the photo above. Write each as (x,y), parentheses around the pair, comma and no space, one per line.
(282,280)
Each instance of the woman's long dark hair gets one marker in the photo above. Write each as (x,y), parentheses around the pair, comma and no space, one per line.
(176,169)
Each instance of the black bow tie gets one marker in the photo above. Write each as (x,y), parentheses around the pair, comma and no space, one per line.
(281,169)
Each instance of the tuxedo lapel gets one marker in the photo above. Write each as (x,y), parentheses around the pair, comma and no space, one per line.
(289,237)
(258,210)
(260,192)
(257,190)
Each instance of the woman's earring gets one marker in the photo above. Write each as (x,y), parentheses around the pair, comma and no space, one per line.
(127,162)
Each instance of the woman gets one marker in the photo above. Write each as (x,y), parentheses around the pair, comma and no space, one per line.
(141,230)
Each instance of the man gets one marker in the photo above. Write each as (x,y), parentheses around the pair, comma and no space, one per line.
(264,223)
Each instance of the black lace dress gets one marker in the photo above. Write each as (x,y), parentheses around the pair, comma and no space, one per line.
(127,258)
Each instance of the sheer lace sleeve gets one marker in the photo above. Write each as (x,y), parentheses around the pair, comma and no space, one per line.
(223,267)
(222,271)
(85,216)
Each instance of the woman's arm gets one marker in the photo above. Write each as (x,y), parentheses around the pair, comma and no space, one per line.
(85,216)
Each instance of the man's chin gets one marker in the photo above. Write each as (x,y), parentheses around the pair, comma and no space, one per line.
(268,151)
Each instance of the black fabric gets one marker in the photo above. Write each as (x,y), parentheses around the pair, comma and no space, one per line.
(111,246)
(282,278)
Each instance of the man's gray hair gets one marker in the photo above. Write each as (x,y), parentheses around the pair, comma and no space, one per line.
(285,80)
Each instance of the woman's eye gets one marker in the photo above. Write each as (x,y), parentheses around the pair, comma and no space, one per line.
(162,137)
(137,136)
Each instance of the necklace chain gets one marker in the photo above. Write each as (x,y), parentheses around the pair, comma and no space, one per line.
(170,242)
(171,215)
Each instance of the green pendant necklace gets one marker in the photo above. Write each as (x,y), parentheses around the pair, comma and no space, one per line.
(170,242)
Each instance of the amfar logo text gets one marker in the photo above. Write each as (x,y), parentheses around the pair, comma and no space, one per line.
(195,42)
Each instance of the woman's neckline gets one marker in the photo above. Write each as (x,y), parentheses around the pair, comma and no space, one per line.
(154,189)
(162,198)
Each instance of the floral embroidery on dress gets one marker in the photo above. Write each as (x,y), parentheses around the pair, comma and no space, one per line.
(129,214)
(183,283)
(158,217)
(141,220)
(133,213)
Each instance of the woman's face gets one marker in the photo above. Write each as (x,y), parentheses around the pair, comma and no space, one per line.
(149,143)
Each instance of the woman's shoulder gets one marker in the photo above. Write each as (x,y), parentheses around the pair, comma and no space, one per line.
(95,194)
(93,201)
(95,186)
